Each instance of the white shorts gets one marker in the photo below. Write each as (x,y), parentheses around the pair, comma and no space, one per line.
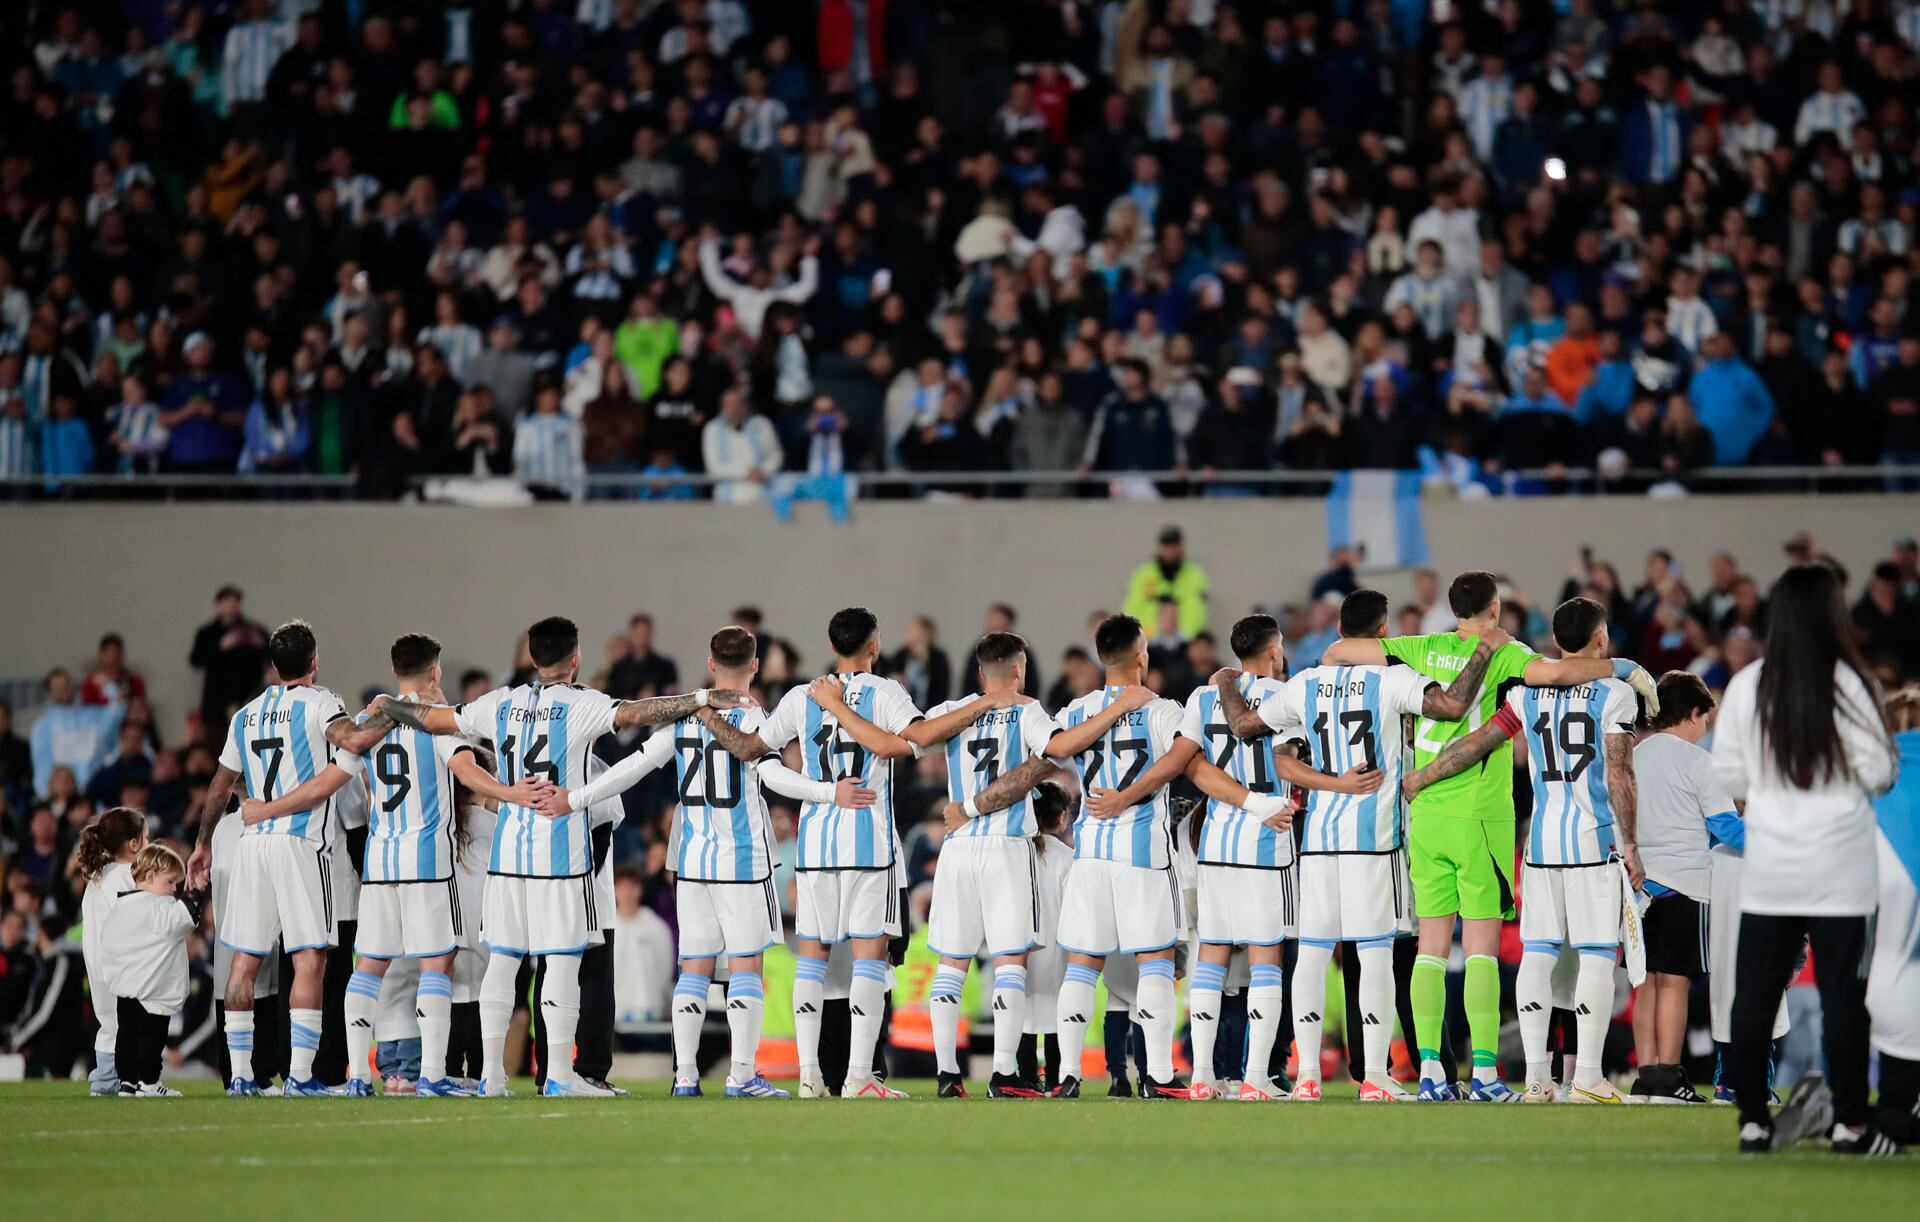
(832,906)
(1110,908)
(983,898)
(1243,906)
(408,920)
(726,918)
(538,916)
(1577,906)
(282,890)
(1354,897)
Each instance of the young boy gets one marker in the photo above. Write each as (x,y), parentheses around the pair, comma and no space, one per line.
(1684,814)
(146,968)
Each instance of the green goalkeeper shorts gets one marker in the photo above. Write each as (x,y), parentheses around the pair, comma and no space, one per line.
(1461,867)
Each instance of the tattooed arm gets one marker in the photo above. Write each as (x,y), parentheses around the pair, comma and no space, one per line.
(1011,786)
(219,792)
(345,735)
(1463,753)
(1242,719)
(1453,703)
(1623,791)
(433,718)
(665,710)
(743,744)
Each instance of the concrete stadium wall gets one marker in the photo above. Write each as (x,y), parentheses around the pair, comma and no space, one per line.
(474,578)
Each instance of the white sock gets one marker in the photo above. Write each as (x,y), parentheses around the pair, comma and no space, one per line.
(1203,1015)
(809,996)
(1009,1016)
(560,1003)
(943,1008)
(362,1006)
(1310,1007)
(496,1014)
(1266,997)
(867,1003)
(433,1004)
(746,1011)
(1376,1009)
(1155,1010)
(1074,1015)
(1533,997)
(239,1026)
(1593,1011)
(689,1015)
(305,1025)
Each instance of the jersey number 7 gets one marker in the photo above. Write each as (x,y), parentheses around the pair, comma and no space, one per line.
(1138,748)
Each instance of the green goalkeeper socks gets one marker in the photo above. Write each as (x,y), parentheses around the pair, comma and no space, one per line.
(1483,1015)
(1427,994)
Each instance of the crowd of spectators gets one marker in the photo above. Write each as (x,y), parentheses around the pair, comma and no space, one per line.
(94,744)
(380,240)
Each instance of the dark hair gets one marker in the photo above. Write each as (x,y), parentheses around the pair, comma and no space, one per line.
(1006,610)
(850,629)
(472,674)
(102,839)
(1575,621)
(414,654)
(113,638)
(54,927)
(732,646)
(291,648)
(1363,612)
(1808,634)
(1116,639)
(552,641)
(1471,593)
(1252,634)
(1682,694)
(1050,805)
(1000,649)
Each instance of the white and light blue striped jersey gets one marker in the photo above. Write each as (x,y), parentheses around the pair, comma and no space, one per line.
(1140,836)
(411,821)
(1233,835)
(278,742)
(1002,740)
(1565,730)
(548,730)
(834,837)
(1351,716)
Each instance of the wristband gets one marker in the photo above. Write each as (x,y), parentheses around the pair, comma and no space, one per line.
(973,812)
(702,698)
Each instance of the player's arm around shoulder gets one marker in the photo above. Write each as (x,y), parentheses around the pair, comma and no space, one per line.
(1075,740)
(1464,752)
(1243,720)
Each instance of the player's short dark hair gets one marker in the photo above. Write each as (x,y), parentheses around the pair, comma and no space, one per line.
(552,641)
(1000,649)
(1252,634)
(1682,694)
(414,654)
(1471,593)
(732,647)
(1117,638)
(850,629)
(291,648)
(1575,621)
(471,675)
(1362,613)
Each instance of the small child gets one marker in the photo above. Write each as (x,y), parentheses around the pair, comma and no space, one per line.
(105,855)
(1047,963)
(146,951)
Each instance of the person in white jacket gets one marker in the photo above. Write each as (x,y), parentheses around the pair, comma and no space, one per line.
(741,449)
(1801,740)
(751,299)
(105,855)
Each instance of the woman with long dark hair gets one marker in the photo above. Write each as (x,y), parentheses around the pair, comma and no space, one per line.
(1802,741)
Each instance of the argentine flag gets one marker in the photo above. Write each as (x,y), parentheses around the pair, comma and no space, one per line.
(1377,513)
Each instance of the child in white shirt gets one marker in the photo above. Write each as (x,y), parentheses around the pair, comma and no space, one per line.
(105,854)
(146,960)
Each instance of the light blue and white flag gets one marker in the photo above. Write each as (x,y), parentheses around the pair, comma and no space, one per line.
(1377,513)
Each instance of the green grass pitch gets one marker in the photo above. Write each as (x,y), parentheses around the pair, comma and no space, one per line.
(67,1158)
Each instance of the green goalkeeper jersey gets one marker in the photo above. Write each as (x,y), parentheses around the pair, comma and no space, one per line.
(1484,791)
